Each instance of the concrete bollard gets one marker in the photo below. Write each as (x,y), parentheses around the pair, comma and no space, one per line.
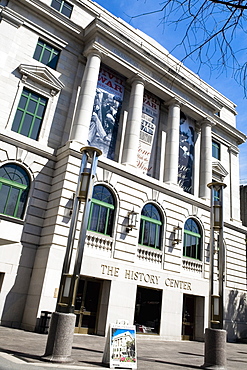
(60,338)
(215,349)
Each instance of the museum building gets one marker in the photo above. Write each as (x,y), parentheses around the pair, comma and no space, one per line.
(74,75)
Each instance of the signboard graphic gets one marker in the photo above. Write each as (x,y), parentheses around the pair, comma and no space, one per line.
(122,343)
(148,133)
(186,153)
(108,99)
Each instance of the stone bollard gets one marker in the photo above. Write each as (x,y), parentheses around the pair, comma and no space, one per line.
(215,349)
(60,338)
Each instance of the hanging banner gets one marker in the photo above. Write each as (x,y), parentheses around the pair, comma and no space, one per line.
(148,133)
(186,153)
(106,112)
(120,348)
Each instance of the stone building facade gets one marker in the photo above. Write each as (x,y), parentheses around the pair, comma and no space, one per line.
(72,75)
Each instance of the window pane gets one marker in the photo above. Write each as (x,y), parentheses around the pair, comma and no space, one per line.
(12,201)
(216,150)
(37,53)
(53,62)
(35,129)
(25,129)
(22,203)
(56,4)
(4,191)
(110,222)
(94,217)
(32,106)
(67,10)
(46,57)
(23,102)
(17,121)
(102,220)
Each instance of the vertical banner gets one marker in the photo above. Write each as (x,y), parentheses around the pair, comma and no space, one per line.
(120,349)
(148,133)
(104,123)
(186,153)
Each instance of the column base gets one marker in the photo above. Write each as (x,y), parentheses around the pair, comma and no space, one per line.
(215,349)
(60,338)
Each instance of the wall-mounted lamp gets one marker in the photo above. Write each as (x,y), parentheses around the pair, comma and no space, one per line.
(132,221)
(177,234)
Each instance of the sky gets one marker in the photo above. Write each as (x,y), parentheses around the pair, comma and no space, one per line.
(168,37)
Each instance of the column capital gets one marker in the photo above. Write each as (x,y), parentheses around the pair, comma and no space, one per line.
(207,122)
(137,78)
(94,49)
(233,150)
(174,101)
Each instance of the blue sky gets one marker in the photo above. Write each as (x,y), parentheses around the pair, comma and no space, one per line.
(168,37)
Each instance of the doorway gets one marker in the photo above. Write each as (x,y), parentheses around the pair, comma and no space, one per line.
(148,310)
(193,317)
(188,318)
(86,306)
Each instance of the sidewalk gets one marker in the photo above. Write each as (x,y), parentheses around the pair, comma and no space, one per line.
(21,350)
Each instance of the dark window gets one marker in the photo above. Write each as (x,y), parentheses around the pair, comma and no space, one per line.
(102,211)
(46,54)
(216,150)
(192,240)
(63,7)
(148,310)
(150,228)
(14,187)
(29,114)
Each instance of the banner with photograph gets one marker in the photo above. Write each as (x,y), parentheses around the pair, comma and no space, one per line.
(186,153)
(104,123)
(120,349)
(148,133)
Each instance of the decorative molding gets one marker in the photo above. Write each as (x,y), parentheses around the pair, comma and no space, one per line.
(41,75)
(11,17)
(219,172)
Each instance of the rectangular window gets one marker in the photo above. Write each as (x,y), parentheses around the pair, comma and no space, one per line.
(46,54)
(216,150)
(29,115)
(63,7)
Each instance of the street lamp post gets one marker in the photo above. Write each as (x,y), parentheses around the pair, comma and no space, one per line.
(61,332)
(215,335)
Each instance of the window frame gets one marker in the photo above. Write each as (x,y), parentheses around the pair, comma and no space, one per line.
(45,46)
(158,229)
(42,81)
(216,152)
(11,184)
(29,96)
(198,249)
(110,213)
(63,4)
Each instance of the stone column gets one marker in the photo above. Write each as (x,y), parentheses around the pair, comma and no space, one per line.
(131,142)
(85,102)
(172,143)
(205,159)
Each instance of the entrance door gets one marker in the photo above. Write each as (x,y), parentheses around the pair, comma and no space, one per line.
(188,319)
(86,306)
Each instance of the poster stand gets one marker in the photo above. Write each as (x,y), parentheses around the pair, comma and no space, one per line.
(120,348)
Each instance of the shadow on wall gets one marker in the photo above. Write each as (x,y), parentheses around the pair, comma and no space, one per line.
(16,298)
(236,315)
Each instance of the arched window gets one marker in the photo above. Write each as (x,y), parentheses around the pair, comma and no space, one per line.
(192,240)
(14,187)
(102,211)
(150,228)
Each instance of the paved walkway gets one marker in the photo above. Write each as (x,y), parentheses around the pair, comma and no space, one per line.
(21,350)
